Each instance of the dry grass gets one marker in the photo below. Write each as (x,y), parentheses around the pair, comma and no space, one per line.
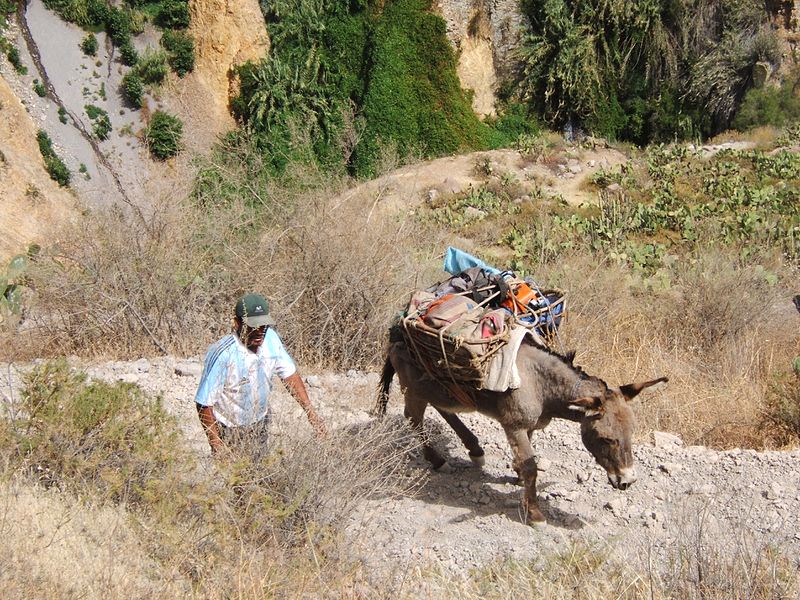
(129,285)
(719,332)
(337,269)
(242,526)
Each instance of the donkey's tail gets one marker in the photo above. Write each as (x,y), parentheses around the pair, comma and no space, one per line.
(383,388)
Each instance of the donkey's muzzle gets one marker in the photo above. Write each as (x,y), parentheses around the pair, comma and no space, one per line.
(622,480)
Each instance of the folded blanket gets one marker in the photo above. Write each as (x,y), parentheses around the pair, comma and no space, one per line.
(503,374)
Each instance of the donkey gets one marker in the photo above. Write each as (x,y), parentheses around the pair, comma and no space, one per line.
(551,387)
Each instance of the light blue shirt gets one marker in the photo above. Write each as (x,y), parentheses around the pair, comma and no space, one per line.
(237,382)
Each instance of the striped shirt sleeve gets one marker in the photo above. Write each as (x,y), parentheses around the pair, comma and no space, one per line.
(215,370)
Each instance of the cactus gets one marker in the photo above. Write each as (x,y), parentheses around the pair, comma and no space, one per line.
(12,285)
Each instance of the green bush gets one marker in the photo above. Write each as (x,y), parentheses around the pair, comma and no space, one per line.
(39,88)
(13,57)
(776,106)
(89,45)
(100,441)
(173,14)
(101,123)
(88,14)
(163,135)
(180,47)
(352,80)
(128,53)
(118,25)
(56,168)
(413,96)
(132,88)
(152,67)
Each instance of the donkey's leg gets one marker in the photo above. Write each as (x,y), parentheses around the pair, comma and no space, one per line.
(414,412)
(525,464)
(469,439)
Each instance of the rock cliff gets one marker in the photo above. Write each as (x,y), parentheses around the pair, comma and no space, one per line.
(484,34)
(227,33)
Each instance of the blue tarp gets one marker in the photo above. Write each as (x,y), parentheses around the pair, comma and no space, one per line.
(456,260)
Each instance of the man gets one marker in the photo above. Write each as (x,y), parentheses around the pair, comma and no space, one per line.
(233,397)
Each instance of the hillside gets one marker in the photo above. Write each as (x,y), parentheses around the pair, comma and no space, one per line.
(159,159)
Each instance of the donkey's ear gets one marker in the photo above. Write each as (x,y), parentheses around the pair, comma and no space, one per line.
(631,390)
(588,405)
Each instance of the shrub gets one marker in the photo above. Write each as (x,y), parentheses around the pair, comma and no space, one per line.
(173,14)
(98,440)
(118,25)
(56,168)
(39,88)
(16,62)
(163,135)
(101,123)
(89,45)
(782,415)
(62,114)
(776,106)
(128,53)
(152,67)
(180,47)
(132,88)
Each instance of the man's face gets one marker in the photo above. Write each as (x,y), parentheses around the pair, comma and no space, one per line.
(251,337)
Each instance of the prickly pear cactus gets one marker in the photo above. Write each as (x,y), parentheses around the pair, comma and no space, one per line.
(11,291)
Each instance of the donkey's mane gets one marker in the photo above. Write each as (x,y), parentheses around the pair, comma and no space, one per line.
(567,358)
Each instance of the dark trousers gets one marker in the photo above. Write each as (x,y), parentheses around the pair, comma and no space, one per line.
(250,439)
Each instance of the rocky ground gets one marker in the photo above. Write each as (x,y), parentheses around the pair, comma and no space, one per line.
(730,503)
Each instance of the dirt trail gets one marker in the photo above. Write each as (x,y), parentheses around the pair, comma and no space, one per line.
(566,176)
(464,517)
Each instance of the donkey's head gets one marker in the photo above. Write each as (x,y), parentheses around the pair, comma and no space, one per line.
(607,426)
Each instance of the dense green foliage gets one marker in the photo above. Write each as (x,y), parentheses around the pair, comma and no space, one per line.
(180,49)
(163,135)
(152,67)
(770,105)
(643,70)
(413,96)
(129,54)
(56,168)
(173,14)
(354,79)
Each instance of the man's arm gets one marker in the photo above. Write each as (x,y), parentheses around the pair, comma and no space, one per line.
(209,423)
(298,389)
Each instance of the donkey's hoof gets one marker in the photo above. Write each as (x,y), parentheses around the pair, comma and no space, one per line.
(478,459)
(534,517)
(445,467)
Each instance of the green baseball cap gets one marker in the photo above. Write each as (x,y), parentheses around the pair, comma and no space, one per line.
(253,310)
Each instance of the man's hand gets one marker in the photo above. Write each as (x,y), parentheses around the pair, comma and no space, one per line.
(298,389)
